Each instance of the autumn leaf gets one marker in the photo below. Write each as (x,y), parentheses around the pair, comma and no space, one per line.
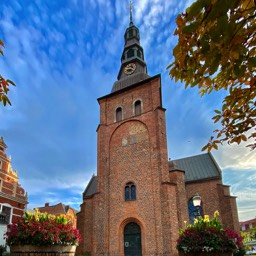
(216,50)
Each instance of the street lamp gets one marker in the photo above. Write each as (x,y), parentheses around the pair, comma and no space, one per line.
(197,203)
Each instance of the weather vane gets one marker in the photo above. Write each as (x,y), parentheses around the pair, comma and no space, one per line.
(130,7)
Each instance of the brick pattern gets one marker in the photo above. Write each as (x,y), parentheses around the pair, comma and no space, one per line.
(135,150)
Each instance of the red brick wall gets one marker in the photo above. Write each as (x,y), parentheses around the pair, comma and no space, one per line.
(216,196)
(18,208)
(228,208)
(178,177)
(208,191)
(85,226)
(133,150)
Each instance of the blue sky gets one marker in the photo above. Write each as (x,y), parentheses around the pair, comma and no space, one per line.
(63,55)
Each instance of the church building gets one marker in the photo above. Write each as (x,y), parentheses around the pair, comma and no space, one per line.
(139,199)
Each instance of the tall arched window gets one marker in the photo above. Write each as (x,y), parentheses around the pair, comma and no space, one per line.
(130,191)
(137,107)
(119,114)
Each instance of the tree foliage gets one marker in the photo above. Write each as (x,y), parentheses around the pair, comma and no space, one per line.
(217,50)
(4,83)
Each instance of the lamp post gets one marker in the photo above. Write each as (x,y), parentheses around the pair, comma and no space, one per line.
(197,203)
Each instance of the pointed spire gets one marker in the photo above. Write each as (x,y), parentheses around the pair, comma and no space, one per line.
(133,66)
(130,7)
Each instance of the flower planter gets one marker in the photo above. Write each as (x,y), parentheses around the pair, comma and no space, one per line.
(51,250)
(205,253)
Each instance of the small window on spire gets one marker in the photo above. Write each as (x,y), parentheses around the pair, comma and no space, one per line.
(130,53)
(119,114)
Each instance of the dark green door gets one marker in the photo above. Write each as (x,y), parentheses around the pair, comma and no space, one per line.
(132,240)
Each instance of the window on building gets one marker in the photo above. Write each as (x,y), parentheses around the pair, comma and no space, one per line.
(130,192)
(130,53)
(137,107)
(193,211)
(119,114)
(6,214)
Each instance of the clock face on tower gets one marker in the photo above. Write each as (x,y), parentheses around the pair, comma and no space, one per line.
(130,68)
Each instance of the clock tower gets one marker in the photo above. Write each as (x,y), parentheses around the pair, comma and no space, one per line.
(133,67)
(138,200)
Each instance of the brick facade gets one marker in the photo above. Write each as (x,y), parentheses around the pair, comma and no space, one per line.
(13,198)
(139,200)
(134,150)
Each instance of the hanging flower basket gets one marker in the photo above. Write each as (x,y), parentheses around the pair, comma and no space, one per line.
(33,250)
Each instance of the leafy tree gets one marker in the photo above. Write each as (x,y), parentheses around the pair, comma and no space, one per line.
(217,50)
(4,83)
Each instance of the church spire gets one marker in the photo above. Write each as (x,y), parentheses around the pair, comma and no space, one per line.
(133,66)
(130,7)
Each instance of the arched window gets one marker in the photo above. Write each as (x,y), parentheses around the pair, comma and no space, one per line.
(194,211)
(119,114)
(130,192)
(137,107)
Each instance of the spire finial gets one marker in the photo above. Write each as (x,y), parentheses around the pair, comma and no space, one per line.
(130,7)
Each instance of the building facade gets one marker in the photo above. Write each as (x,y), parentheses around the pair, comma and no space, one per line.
(139,199)
(13,198)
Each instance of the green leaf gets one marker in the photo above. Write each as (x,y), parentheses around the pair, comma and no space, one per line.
(216,118)
(239,70)
(252,62)
(195,9)
(215,64)
(11,82)
(191,28)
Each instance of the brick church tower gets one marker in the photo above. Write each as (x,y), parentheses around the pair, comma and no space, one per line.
(138,200)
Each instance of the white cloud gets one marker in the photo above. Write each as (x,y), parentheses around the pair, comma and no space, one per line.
(236,157)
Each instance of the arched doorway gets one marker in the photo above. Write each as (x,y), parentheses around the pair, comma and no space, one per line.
(132,239)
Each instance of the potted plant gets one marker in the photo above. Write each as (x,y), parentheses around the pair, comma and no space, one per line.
(207,237)
(42,233)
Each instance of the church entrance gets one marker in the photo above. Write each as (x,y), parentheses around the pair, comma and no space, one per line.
(132,240)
